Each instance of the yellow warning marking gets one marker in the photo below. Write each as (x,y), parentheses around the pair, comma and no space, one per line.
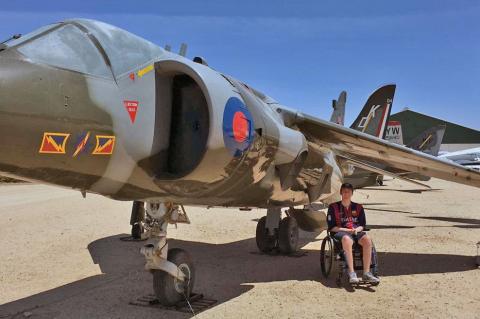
(145,70)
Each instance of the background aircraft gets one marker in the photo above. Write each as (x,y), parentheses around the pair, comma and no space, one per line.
(88,106)
(379,103)
(469,157)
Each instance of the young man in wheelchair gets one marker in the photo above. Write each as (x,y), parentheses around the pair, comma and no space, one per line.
(347,220)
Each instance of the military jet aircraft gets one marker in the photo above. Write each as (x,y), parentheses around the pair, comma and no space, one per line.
(89,106)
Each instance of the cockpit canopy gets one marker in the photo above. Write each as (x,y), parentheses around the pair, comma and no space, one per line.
(87,46)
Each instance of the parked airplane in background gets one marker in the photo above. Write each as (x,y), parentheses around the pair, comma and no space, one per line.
(373,119)
(468,157)
(338,114)
(110,113)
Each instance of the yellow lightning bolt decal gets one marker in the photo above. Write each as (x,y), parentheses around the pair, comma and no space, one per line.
(104,146)
(81,145)
(100,148)
(49,141)
(54,144)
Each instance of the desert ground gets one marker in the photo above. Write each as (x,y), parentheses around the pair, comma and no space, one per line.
(62,257)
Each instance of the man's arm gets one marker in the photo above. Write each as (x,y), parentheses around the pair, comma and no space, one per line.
(337,229)
(362,220)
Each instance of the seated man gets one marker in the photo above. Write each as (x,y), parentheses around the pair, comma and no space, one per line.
(347,220)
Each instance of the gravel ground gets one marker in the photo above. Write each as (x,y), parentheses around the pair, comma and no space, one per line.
(61,257)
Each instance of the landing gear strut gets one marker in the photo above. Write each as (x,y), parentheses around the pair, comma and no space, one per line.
(137,219)
(274,233)
(379,180)
(172,269)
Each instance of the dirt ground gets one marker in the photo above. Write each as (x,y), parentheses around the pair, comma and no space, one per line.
(61,257)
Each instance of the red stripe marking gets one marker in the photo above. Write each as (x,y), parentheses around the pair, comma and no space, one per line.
(381,121)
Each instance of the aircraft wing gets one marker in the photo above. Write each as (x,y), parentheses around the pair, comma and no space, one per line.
(363,148)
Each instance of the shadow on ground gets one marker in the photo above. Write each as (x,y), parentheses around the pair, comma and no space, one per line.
(413,191)
(224,271)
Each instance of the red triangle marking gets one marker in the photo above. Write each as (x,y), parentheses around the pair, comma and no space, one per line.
(131,107)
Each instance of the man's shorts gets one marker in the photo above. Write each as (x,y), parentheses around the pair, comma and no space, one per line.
(338,236)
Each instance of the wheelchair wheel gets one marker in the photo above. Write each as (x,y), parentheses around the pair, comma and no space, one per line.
(374,264)
(327,256)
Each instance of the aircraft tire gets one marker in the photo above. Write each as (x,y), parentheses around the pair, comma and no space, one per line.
(288,235)
(168,290)
(265,241)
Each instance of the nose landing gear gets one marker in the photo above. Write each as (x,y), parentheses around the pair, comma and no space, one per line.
(172,269)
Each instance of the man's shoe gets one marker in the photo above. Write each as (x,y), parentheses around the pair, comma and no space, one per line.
(369,277)
(352,278)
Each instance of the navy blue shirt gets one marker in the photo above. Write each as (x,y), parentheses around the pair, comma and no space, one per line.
(346,217)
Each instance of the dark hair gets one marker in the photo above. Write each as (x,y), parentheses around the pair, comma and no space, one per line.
(346,186)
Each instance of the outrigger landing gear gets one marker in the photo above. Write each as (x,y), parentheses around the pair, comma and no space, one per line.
(274,233)
(172,269)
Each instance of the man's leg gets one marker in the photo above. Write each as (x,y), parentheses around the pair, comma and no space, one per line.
(366,244)
(347,244)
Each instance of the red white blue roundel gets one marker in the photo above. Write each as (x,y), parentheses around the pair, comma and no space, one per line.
(237,127)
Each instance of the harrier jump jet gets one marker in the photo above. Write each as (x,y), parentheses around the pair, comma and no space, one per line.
(91,107)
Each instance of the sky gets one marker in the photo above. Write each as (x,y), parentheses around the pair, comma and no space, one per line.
(303,53)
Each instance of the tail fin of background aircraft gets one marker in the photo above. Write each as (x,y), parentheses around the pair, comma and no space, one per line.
(338,114)
(394,132)
(374,115)
(429,141)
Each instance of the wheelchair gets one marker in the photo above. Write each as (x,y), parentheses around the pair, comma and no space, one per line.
(333,261)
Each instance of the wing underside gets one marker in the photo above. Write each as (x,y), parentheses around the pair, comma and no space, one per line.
(363,149)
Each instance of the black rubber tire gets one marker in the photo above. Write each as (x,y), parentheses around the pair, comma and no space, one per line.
(164,285)
(374,261)
(265,241)
(137,231)
(288,235)
(327,256)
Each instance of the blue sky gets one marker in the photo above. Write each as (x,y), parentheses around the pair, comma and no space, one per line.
(303,53)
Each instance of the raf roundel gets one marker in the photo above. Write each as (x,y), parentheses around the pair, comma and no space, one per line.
(237,127)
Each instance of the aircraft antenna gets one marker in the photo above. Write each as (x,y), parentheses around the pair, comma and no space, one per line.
(183,49)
